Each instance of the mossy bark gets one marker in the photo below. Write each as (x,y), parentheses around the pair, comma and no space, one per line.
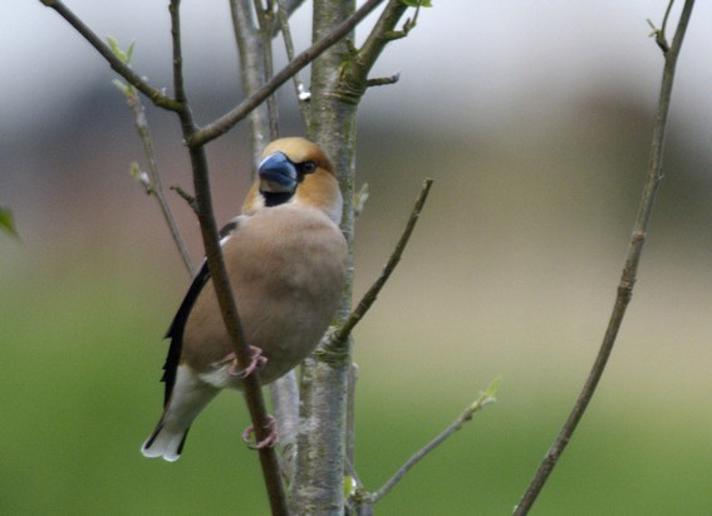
(318,487)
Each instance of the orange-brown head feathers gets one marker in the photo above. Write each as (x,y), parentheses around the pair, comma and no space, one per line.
(295,170)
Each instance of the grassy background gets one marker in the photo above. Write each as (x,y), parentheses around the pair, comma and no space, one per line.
(79,391)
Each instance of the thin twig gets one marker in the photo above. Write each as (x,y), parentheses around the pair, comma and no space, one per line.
(252,72)
(265,21)
(156,96)
(228,120)
(289,6)
(625,287)
(355,72)
(382,33)
(667,14)
(299,90)
(372,293)
(485,398)
(659,34)
(156,188)
(221,282)
(383,81)
(186,197)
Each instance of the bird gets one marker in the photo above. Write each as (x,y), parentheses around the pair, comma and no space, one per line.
(286,259)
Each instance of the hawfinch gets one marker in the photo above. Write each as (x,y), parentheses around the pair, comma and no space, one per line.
(286,259)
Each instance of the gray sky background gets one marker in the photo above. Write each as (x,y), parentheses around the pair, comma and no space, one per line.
(466,63)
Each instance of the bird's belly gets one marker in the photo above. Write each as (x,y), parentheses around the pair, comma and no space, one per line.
(286,295)
(292,326)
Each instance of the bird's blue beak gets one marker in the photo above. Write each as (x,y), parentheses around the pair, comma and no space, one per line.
(277,174)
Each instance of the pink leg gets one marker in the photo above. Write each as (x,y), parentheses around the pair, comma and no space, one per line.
(257,360)
(268,441)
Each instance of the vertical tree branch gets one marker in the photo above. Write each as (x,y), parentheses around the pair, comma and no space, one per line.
(351,417)
(252,72)
(265,21)
(255,69)
(289,7)
(628,277)
(285,403)
(300,91)
(221,282)
(318,488)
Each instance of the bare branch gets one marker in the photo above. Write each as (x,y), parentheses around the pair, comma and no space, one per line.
(659,34)
(155,187)
(383,81)
(221,281)
(289,7)
(285,403)
(300,91)
(485,398)
(156,96)
(252,72)
(186,197)
(351,419)
(355,72)
(382,33)
(372,293)
(628,277)
(227,121)
(265,19)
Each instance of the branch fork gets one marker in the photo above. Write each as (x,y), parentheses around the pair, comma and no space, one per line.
(362,498)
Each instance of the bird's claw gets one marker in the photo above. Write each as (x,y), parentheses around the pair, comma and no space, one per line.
(257,361)
(268,441)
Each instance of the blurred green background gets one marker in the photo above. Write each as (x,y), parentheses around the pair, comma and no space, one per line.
(537,137)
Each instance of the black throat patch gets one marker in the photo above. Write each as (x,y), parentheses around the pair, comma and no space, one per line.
(276,198)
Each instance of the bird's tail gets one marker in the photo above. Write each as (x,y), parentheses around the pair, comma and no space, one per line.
(188,397)
(165,442)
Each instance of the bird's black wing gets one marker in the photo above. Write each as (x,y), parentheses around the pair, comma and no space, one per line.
(177,327)
(175,331)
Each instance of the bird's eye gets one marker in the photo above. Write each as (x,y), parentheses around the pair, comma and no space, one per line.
(308,167)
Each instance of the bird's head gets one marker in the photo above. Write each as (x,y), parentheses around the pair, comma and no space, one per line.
(295,170)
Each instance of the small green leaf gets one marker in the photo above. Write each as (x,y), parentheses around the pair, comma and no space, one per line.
(113,43)
(7,221)
(492,388)
(129,52)
(116,50)
(134,170)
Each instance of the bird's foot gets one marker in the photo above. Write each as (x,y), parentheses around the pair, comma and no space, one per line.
(257,361)
(268,441)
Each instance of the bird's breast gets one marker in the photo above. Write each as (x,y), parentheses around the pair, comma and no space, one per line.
(287,268)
